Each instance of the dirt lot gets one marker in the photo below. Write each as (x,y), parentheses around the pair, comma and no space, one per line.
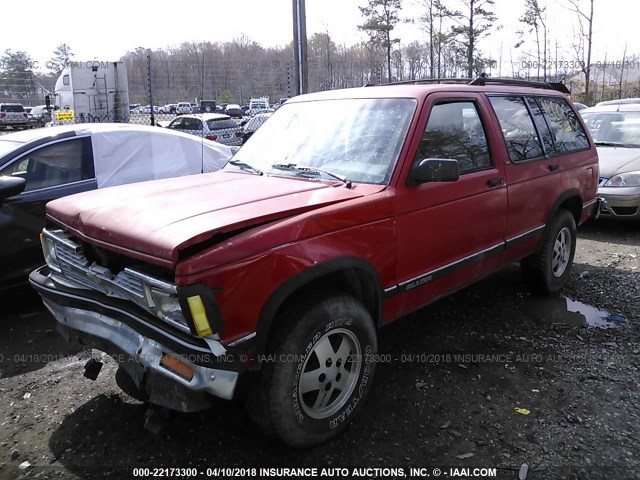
(490,377)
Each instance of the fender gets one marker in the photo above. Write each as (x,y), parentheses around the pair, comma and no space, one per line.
(570,194)
(296,283)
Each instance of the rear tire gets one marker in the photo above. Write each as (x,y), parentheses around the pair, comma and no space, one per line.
(318,371)
(547,271)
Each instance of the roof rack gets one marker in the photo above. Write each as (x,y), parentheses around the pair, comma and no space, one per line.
(481,81)
(560,87)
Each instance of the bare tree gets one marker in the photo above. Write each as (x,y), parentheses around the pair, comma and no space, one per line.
(534,16)
(583,53)
(432,24)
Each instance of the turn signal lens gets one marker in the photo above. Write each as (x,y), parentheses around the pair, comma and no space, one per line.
(199,315)
(176,366)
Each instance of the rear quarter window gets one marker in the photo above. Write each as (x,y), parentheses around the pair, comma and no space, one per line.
(221,124)
(566,130)
(12,108)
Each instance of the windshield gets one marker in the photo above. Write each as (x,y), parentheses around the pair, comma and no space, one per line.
(615,128)
(359,139)
(7,146)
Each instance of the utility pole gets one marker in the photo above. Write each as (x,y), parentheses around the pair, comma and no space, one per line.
(300,47)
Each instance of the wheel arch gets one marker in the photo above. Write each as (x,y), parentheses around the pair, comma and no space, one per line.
(351,275)
(570,200)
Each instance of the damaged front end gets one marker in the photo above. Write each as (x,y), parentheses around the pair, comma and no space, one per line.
(165,336)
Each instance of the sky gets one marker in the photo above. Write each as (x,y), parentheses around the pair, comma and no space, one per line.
(106,31)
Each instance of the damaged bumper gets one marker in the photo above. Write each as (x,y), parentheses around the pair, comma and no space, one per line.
(174,370)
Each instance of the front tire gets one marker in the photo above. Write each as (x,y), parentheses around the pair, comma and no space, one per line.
(319,369)
(547,271)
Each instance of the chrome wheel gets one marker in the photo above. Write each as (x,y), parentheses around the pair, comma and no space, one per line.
(330,373)
(561,252)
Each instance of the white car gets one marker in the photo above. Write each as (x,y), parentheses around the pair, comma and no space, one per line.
(217,127)
(183,108)
(43,164)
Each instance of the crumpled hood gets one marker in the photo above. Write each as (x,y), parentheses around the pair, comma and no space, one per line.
(158,219)
(614,160)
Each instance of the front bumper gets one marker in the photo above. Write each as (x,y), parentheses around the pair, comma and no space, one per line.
(621,203)
(96,322)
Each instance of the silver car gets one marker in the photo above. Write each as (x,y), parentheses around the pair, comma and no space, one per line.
(13,115)
(615,129)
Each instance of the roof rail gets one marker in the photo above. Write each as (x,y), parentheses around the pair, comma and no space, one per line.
(560,87)
(422,81)
(481,81)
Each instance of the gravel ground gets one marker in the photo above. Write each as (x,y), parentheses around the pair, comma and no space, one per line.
(489,377)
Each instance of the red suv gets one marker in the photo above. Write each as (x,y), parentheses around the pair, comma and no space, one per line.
(271,278)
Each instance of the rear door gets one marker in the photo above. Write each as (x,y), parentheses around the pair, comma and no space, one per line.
(450,233)
(51,171)
(537,163)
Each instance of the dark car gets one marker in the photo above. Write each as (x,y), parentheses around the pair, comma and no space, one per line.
(207,106)
(42,164)
(270,280)
(40,115)
(233,110)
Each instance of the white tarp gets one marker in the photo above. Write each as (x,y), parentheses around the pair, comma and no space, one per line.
(134,153)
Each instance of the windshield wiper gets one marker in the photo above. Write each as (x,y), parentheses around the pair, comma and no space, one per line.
(609,144)
(312,170)
(245,166)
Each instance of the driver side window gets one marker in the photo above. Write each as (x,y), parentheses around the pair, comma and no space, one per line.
(455,131)
(51,165)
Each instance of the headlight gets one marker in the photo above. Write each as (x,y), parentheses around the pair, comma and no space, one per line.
(167,307)
(49,251)
(629,179)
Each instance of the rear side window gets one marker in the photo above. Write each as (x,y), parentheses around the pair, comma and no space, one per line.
(192,124)
(566,131)
(454,131)
(221,124)
(12,108)
(517,128)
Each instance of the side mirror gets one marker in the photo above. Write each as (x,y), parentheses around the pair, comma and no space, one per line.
(243,123)
(10,186)
(434,170)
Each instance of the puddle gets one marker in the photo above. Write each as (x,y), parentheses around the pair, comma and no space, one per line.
(564,311)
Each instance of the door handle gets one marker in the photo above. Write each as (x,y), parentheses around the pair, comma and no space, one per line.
(494,182)
(554,166)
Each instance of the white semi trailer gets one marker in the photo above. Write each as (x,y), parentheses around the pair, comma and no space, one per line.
(90,92)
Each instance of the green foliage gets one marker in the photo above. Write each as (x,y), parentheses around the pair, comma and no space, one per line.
(62,56)
(16,79)
(225,97)
(473,23)
(380,18)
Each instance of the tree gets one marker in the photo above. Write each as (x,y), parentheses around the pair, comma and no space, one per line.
(534,16)
(583,53)
(62,56)
(17,76)
(381,17)
(432,21)
(472,24)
